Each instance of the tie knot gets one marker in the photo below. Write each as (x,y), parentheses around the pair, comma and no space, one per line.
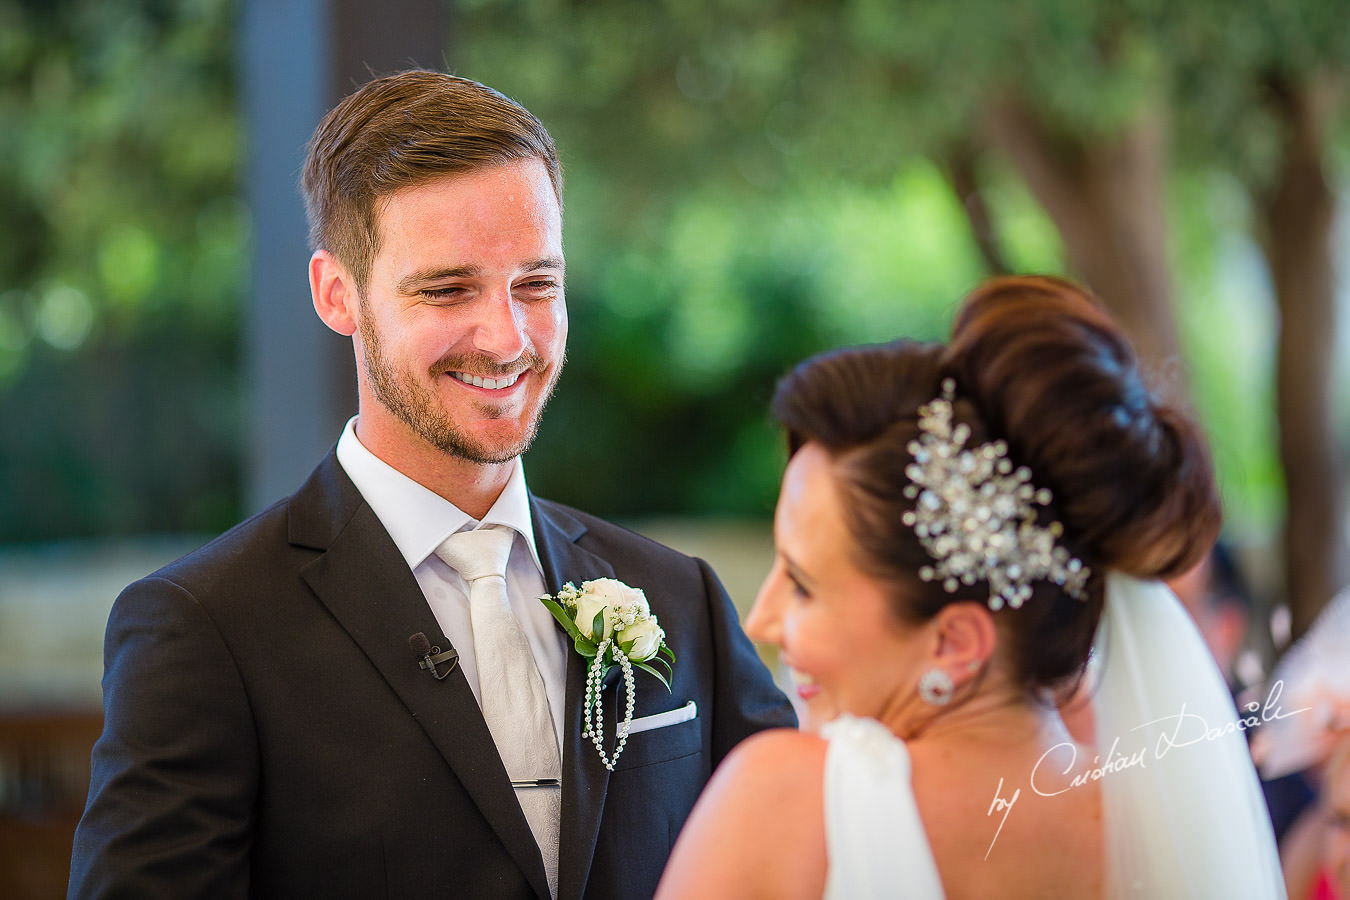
(477,554)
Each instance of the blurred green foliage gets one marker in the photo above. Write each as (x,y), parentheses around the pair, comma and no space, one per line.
(676,341)
(825,114)
(122,268)
(747,183)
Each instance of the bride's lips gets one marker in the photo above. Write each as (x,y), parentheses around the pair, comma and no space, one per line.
(805,684)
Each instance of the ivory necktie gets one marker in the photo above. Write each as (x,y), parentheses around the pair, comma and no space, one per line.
(514,702)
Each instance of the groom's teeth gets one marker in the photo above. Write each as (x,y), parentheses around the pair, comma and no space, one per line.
(491,384)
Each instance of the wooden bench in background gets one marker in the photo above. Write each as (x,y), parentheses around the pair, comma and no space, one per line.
(44,778)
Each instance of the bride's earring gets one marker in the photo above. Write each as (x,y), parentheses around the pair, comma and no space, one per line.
(935,687)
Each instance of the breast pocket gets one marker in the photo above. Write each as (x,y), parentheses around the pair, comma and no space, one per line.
(656,741)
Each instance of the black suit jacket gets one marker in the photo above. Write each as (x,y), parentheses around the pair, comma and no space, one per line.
(268,732)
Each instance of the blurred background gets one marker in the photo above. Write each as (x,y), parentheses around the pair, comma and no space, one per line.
(747,183)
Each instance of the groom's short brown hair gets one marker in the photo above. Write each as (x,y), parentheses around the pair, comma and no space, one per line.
(400,131)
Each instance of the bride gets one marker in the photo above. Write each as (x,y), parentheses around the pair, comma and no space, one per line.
(964,533)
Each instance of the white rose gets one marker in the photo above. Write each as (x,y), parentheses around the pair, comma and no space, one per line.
(628,604)
(616,593)
(636,605)
(589,604)
(646,636)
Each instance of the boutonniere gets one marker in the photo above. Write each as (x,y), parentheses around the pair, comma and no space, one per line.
(610,624)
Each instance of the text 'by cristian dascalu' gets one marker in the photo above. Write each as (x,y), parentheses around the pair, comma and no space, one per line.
(1184,729)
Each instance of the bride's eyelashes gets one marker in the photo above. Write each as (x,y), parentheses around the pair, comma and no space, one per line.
(799,589)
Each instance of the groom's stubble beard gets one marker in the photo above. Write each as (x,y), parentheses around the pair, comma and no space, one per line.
(417,406)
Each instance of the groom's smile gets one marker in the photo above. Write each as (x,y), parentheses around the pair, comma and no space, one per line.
(468,278)
(491,384)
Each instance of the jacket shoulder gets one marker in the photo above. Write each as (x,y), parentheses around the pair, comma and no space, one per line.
(606,538)
(280,538)
(248,544)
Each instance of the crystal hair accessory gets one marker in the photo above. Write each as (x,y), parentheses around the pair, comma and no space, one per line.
(976,514)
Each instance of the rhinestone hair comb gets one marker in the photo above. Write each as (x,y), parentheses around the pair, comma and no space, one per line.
(975,513)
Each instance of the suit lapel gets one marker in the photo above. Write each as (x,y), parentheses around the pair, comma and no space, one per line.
(585,779)
(366,585)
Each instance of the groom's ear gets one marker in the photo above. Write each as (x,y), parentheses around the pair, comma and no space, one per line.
(333,292)
(966,638)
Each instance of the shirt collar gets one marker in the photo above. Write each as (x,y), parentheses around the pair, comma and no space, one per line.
(417,518)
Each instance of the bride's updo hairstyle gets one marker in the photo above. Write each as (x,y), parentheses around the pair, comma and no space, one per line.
(1037,363)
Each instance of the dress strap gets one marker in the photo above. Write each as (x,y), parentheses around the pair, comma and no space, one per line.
(874,837)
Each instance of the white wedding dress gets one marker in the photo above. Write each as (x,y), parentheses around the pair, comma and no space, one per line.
(1187,820)
(874,839)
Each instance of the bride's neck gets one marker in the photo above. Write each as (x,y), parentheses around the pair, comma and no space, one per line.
(1005,717)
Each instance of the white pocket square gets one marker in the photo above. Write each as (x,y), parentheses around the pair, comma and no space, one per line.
(661,720)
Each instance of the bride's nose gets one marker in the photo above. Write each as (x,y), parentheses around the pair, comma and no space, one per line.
(764,623)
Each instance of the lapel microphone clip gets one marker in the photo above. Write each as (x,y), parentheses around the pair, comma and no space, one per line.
(429,657)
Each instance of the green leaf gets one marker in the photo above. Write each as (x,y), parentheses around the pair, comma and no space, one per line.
(646,668)
(665,648)
(598,626)
(564,619)
(583,646)
(663,664)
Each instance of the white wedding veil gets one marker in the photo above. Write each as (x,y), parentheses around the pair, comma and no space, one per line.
(1184,816)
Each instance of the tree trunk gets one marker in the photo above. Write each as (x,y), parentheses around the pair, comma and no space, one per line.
(1298,218)
(960,166)
(1106,197)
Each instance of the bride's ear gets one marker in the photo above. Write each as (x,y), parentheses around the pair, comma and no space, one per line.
(966,638)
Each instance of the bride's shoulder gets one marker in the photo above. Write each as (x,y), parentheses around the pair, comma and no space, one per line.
(780,764)
(789,766)
(778,753)
(758,828)
(769,782)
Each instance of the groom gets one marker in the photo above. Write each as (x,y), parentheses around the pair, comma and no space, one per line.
(284,717)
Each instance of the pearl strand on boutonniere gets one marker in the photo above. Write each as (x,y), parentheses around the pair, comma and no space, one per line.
(595,729)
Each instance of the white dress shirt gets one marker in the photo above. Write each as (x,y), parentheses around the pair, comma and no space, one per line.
(419,519)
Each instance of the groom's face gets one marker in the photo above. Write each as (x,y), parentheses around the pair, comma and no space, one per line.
(463,325)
